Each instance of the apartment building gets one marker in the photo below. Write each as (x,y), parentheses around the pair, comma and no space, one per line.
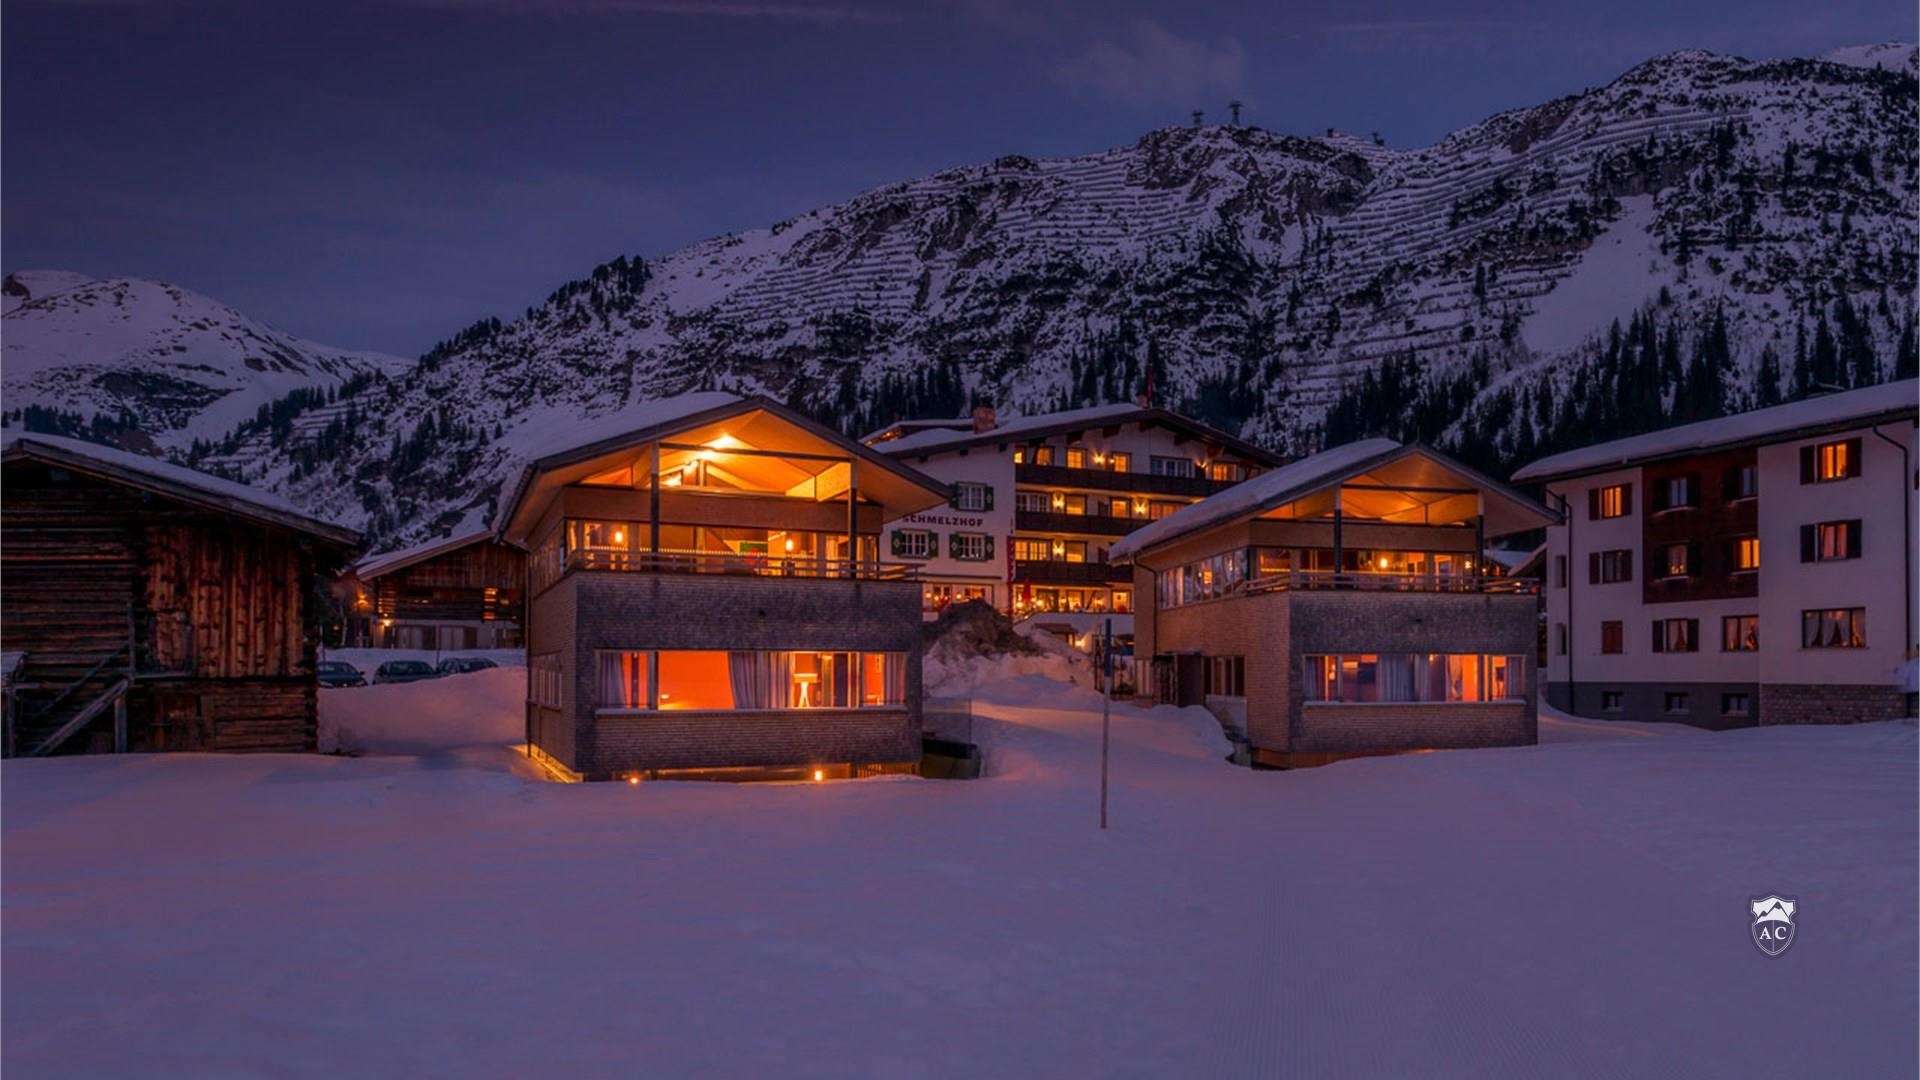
(1039,501)
(706,596)
(1754,569)
(1342,605)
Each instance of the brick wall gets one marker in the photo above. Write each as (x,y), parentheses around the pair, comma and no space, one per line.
(1274,630)
(694,740)
(1348,728)
(712,611)
(1783,703)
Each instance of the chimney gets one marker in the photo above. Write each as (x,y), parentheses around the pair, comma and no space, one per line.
(983,419)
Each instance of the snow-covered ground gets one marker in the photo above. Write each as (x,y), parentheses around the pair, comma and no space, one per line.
(1575,909)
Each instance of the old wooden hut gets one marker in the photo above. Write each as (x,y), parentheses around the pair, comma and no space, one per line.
(154,607)
(463,591)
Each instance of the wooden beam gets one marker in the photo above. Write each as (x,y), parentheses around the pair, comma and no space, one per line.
(80,719)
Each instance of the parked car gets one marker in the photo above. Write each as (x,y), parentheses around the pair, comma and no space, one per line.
(460,665)
(340,673)
(404,671)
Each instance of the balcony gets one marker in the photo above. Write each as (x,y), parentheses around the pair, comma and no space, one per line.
(1198,487)
(706,562)
(1054,521)
(1062,572)
(1449,583)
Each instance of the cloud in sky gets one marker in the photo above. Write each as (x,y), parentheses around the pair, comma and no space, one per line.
(1150,67)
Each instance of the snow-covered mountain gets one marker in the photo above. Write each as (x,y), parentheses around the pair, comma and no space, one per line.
(148,364)
(1749,225)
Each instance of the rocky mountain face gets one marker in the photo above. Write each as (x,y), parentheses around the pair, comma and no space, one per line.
(149,365)
(1705,233)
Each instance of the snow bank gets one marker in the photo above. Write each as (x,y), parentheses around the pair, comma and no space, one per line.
(478,708)
(973,646)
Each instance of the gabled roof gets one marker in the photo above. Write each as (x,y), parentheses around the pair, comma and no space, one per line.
(388,562)
(1777,423)
(173,481)
(655,420)
(1327,469)
(941,440)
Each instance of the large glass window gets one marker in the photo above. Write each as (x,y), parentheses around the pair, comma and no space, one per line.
(714,680)
(543,680)
(1369,678)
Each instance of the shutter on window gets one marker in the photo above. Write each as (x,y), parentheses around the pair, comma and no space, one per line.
(989,554)
(1659,495)
(953,545)
(1806,464)
(1808,540)
(897,548)
(1626,499)
(1853,538)
(1853,457)
(1694,569)
(1593,504)
(989,495)
(1626,565)
(1693,489)
(1730,484)
(1693,635)
(1593,568)
(1659,638)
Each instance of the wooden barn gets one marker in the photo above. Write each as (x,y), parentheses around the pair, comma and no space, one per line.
(151,607)
(465,591)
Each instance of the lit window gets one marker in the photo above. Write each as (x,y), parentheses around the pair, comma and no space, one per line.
(1836,460)
(1120,461)
(1415,677)
(1224,472)
(1611,502)
(1740,633)
(1834,628)
(1676,560)
(622,680)
(1076,457)
(1746,553)
(1830,540)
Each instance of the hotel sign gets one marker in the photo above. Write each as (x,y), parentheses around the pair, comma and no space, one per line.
(956,521)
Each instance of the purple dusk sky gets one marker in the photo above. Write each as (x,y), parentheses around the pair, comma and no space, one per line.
(379,175)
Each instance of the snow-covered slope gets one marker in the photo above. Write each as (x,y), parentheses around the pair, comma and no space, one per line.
(151,358)
(1731,212)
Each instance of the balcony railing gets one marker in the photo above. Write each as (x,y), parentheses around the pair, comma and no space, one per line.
(1386,580)
(1062,572)
(1054,521)
(707,562)
(1109,480)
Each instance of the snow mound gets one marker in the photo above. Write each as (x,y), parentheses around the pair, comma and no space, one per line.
(476,709)
(971,646)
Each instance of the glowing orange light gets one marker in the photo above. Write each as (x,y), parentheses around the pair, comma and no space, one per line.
(619,536)
(819,774)
(633,780)
(789,544)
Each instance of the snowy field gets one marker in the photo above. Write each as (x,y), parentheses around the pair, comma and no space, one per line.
(1576,909)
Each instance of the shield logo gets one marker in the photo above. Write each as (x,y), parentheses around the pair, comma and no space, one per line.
(1773,927)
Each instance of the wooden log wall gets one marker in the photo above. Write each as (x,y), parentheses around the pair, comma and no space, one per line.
(221,608)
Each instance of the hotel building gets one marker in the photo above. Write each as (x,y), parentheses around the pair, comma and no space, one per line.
(1753,569)
(1039,500)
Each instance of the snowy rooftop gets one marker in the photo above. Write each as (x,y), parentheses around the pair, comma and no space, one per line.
(174,480)
(938,438)
(389,561)
(542,437)
(1251,496)
(1775,424)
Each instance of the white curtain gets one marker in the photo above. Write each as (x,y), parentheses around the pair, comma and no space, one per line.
(758,679)
(1396,678)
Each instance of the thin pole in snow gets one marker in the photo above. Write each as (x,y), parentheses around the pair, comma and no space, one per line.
(1106,718)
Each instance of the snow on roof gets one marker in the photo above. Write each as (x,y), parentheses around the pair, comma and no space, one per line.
(956,423)
(1249,496)
(941,437)
(561,429)
(387,562)
(174,480)
(1774,424)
